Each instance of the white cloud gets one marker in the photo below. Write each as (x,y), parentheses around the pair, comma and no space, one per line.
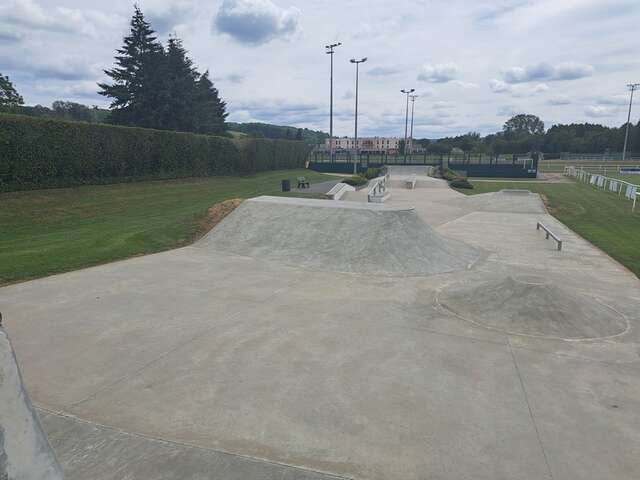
(498,86)
(439,73)
(256,21)
(465,85)
(547,72)
(613,100)
(559,100)
(27,15)
(598,111)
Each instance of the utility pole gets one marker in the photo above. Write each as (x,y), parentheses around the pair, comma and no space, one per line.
(330,51)
(413,104)
(406,120)
(632,88)
(355,158)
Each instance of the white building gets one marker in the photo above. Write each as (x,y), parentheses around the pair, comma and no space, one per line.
(365,144)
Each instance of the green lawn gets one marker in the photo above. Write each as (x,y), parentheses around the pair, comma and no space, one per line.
(50,231)
(601,217)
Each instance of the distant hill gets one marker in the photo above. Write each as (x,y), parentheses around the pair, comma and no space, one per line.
(267,130)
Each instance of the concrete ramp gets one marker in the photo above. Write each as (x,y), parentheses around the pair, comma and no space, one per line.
(505,201)
(25,453)
(338,236)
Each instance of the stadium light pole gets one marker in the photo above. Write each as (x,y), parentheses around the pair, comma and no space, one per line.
(632,88)
(330,50)
(356,157)
(413,104)
(406,120)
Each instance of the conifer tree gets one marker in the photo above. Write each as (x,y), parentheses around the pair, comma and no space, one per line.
(181,86)
(210,110)
(137,89)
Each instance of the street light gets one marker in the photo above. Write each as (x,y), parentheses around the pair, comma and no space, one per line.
(355,158)
(406,120)
(413,104)
(330,51)
(632,87)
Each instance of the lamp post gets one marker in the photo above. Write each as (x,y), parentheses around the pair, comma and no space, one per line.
(355,158)
(330,50)
(632,88)
(413,104)
(406,120)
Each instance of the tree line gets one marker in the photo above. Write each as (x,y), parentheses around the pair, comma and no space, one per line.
(526,133)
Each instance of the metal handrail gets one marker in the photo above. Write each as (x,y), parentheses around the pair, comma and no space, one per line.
(549,233)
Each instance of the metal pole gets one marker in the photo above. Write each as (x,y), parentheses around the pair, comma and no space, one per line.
(413,104)
(406,121)
(356,156)
(330,51)
(632,87)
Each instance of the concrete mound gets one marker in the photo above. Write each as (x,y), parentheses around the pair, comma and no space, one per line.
(338,236)
(530,305)
(25,452)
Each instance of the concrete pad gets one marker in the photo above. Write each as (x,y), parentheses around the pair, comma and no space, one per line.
(357,374)
(587,413)
(390,405)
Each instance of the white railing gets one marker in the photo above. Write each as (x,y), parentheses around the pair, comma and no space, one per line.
(378,189)
(338,190)
(602,182)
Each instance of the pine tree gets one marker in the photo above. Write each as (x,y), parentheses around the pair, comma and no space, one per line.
(137,89)
(181,85)
(9,96)
(210,110)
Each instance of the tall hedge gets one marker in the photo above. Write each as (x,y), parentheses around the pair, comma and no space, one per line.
(37,153)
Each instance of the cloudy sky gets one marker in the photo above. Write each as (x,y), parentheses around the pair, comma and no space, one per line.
(474,63)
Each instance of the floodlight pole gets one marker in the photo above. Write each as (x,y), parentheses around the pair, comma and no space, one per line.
(330,51)
(406,120)
(632,87)
(413,104)
(356,157)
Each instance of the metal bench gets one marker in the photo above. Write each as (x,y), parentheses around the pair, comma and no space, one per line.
(302,183)
(410,182)
(549,233)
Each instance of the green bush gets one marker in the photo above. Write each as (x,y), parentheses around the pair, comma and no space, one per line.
(356,181)
(37,152)
(372,173)
(460,183)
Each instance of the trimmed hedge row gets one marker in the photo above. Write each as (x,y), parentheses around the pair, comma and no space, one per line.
(37,153)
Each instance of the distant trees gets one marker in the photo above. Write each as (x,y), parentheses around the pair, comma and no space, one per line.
(9,96)
(525,133)
(523,125)
(160,88)
(72,111)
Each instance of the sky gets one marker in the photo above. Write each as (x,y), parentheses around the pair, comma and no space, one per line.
(473,63)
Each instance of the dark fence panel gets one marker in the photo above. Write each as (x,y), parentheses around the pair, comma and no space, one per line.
(496,170)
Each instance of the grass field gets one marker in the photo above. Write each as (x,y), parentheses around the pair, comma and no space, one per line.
(50,231)
(557,166)
(600,217)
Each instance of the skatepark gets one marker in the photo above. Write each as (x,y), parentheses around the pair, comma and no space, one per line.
(434,335)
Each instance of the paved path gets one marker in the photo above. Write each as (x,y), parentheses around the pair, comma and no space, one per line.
(198,363)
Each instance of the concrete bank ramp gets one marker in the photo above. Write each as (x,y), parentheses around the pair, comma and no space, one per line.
(25,453)
(533,306)
(505,201)
(338,236)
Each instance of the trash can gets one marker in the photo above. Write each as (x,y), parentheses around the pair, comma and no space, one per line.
(286,186)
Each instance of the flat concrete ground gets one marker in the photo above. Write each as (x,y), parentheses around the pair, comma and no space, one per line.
(195,363)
